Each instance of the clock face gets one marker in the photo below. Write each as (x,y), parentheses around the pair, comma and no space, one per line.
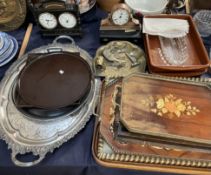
(47,20)
(120,17)
(67,20)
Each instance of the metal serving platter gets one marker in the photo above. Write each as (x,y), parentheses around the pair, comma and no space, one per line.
(30,135)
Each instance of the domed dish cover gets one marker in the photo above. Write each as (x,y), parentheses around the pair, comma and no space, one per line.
(147,7)
(28,135)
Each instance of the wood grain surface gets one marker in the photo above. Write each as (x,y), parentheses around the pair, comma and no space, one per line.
(167,110)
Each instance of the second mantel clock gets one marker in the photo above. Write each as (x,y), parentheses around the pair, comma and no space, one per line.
(57,17)
(120,15)
(120,24)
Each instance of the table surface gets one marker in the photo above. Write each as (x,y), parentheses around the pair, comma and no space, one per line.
(75,156)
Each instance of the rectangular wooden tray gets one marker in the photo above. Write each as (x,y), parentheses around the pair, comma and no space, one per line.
(198,59)
(171,111)
(110,151)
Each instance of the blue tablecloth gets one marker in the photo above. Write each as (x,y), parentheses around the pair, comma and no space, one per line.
(75,156)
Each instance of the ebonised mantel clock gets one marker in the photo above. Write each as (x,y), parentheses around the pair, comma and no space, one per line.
(57,17)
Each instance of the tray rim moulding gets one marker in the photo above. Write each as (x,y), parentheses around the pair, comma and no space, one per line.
(143,162)
(177,74)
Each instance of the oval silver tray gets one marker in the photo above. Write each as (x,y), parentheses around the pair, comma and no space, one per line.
(28,135)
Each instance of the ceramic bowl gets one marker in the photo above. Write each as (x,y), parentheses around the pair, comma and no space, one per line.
(147,7)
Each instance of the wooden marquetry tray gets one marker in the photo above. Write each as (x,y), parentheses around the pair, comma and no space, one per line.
(167,111)
(147,154)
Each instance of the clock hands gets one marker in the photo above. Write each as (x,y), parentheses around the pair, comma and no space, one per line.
(120,17)
(67,20)
(47,20)
(121,14)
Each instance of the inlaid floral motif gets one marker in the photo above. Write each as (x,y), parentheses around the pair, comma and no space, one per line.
(170,106)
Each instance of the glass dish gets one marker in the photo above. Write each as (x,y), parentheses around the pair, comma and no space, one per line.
(203,22)
(173,51)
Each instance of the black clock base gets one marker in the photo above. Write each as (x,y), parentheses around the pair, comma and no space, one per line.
(62,32)
(109,35)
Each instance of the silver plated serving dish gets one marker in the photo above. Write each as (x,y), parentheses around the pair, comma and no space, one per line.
(25,134)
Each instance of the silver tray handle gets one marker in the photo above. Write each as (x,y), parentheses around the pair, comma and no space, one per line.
(64,37)
(54,49)
(25,164)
